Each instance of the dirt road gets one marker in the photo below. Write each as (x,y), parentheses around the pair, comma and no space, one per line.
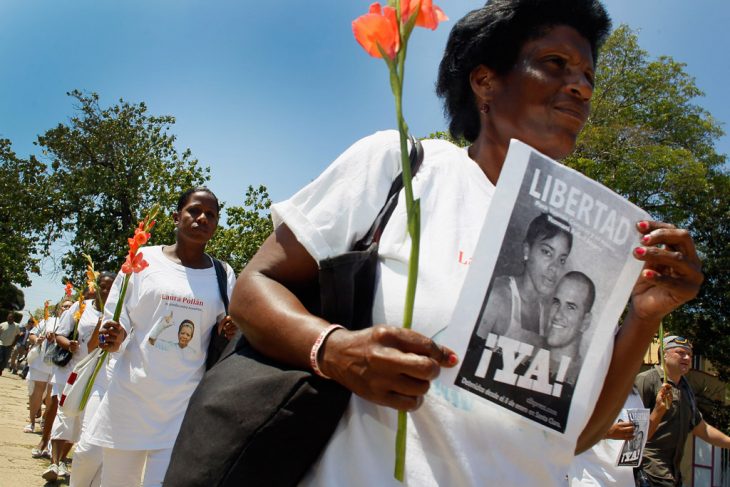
(17,468)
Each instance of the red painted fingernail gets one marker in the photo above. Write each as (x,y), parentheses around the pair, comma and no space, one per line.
(644,225)
(452,359)
(649,274)
(646,238)
(640,251)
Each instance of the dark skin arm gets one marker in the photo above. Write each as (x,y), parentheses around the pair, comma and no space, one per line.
(66,344)
(94,338)
(671,276)
(386,365)
(624,430)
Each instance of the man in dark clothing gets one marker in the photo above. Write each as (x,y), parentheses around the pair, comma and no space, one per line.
(664,450)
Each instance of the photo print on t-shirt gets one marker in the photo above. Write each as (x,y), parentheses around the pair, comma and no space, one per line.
(177,329)
(565,245)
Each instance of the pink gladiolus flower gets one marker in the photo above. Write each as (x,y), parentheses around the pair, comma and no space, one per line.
(429,15)
(134,263)
(378,27)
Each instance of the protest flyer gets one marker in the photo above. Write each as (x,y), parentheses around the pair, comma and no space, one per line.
(632,450)
(551,274)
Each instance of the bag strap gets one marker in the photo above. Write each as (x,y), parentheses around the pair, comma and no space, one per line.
(376,229)
(218,342)
(221,277)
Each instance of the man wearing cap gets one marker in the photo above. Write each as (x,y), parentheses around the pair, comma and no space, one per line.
(663,452)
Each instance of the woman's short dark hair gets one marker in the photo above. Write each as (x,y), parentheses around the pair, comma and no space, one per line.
(494,35)
(183,200)
(546,226)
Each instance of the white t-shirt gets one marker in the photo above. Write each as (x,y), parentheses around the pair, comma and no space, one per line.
(597,466)
(87,323)
(39,330)
(447,444)
(150,387)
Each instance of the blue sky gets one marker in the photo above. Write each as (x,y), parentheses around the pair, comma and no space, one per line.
(269,92)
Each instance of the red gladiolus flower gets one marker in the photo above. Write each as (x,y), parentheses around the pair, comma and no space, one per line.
(429,15)
(133,245)
(134,263)
(69,288)
(378,27)
(141,237)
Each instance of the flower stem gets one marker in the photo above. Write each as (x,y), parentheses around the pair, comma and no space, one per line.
(90,384)
(414,227)
(105,353)
(667,404)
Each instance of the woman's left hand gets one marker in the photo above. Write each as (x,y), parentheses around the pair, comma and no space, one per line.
(672,272)
(227,327)
(73,346)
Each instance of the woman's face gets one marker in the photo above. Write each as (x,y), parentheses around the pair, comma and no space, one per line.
(198,219)
(184,336)
(105,285)
(545,260)
(544,100)
(63,307)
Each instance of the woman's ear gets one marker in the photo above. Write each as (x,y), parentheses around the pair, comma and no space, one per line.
(482,80)
(175,218)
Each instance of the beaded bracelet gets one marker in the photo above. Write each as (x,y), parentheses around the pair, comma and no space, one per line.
(314,353)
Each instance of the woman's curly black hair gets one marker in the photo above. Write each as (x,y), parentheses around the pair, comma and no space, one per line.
(493,36)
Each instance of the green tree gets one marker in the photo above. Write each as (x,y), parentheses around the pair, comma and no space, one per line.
(650,141)
(246,229)
(110,165)
(24,209)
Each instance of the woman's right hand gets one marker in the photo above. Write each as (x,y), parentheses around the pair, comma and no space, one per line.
(386,365)
(111,336)
(621,430)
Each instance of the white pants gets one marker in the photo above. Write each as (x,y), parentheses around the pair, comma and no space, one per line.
(124,468)
(87,457)
(66,428)
(87,465)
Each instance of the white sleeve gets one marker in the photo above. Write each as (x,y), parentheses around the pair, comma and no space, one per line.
(339,206)
(66,322)
(113,298)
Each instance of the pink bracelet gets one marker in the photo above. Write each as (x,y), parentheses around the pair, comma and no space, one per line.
(314,353)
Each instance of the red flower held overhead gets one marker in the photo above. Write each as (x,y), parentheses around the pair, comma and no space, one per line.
(134,263)
(69,288)
(429,14)
(378,27)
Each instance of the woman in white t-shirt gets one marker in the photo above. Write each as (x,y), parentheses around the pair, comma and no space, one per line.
(513,69)
(140,415)
(67,430)
(40,376)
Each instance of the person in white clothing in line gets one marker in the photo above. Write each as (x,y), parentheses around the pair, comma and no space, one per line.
(139,417)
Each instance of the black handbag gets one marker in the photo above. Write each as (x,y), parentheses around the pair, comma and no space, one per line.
(60,356)
(254,421)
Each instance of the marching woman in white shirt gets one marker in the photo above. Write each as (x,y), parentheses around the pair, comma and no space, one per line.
(140,415)
(40,374)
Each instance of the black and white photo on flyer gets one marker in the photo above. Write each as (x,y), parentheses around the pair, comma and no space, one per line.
(552,271)
(633,449)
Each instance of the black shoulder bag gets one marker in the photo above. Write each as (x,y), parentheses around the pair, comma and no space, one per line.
(254,421)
